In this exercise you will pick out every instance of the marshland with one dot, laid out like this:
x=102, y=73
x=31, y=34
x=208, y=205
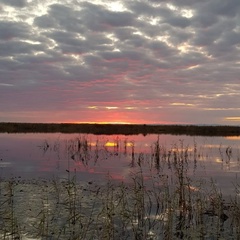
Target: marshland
x=57, y=185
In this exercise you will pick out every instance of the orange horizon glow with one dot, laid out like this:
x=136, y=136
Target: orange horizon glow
x=109, y=122
x=116, y=122
x=233, y=137
x=117, y=118
x=114, y=116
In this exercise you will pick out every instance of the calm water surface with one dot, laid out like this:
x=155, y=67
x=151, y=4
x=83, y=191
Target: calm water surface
x=95, y=158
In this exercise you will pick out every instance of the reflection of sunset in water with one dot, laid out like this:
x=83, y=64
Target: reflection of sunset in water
x=235, y=138
x=117, y=156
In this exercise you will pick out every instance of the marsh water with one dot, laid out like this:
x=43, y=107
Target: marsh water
x=98, y=157
x=78, y=186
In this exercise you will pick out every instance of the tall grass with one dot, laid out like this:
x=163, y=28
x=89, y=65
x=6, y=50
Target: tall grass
x=161, y=201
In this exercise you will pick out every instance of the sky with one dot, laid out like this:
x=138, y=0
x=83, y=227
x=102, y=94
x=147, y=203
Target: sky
x=129, y=61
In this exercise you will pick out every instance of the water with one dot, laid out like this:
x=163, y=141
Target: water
x=91, y=157
x=56, y=186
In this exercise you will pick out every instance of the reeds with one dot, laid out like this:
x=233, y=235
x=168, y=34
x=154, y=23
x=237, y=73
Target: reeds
x=160, y=201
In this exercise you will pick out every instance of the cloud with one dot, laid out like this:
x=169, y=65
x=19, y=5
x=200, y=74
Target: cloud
x=15, y=3
x=10, y=30
x=146, y=58
x=228, y=8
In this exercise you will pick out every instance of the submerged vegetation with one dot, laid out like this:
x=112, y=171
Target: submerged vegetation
x=127, y=129
x=161, y=200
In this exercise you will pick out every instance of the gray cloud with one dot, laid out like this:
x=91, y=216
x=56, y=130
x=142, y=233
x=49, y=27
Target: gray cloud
x=15, y=3
x=177, y=21
x=227, y=8
x=11, y=29
x=18, y=47
x=98, y=18
x=180, y=57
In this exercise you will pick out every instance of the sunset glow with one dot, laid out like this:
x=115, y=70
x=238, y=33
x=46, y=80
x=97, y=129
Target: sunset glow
x=103, y=122
x=150, y=62
x=233, y=119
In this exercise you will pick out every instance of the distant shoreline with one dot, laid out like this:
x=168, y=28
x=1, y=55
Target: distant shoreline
x=125, y=129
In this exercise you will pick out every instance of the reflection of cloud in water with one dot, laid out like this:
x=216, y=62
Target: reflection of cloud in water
x=5, y=164
x=96, y=157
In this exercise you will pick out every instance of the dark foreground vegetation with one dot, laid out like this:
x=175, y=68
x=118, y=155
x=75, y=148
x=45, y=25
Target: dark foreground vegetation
x=127, y=129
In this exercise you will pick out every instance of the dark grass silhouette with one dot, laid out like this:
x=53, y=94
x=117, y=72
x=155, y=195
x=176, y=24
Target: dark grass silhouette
x=126, y=129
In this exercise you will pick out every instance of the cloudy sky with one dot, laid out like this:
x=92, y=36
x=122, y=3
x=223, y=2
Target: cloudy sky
x=133, y=61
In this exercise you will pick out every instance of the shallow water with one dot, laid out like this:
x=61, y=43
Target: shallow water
x=91, y=157
x=51, y=182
